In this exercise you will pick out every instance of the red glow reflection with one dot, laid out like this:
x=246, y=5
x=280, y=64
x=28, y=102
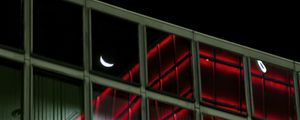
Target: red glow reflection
x=209, y=117
x=221, y=80
x=80, y=117
x=273, y=93
x=152, y=53
x=173, y=114
x=168, y=62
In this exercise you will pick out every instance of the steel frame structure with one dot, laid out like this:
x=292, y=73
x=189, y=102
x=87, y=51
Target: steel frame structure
x=144, y=21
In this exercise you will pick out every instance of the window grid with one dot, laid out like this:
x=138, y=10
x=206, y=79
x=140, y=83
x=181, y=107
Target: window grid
x=214, y=63
x=30, y=61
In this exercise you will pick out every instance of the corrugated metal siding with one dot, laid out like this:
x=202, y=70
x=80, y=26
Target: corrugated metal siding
x=10, y=93
x=56, y=100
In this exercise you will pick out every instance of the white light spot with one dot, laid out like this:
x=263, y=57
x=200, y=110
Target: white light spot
x=105, y=64
x=261, y=65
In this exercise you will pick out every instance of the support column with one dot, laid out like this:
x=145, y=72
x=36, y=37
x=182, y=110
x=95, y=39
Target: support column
x=248, y=86
x=143, y=70
x=86, y=62
x=28, y=81
x=196, y=76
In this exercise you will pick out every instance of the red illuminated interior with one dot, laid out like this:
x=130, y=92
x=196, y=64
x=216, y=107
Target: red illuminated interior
x=127, y=108
x=178, y=70
x=169, y=66
x=169, y=70
x=222, y=79
x=209, y=117
x=273, y=93
x=162, y=111
x=116, y=105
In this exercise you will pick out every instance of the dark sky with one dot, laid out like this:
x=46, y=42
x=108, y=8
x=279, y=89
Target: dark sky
x=268, y=26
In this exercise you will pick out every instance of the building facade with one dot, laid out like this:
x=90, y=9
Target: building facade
x=86, y=59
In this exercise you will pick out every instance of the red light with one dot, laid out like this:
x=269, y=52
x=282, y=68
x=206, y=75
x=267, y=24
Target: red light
x=220, y=81
x=80, y=117
x=169, y=68
x=269, y=93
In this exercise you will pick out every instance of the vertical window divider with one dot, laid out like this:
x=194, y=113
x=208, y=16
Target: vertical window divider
x=28, y=81
x=196, y=76
x=143, y=71
x=248, y=87
x=86, y=62
x=296, y=78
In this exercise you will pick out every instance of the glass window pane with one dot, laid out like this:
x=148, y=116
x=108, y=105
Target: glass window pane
x=58, y=31
x=11, y=75
x=112, y=104
x=273, y=92
x=210, y=117
x=11, y=34
x=57, y=97
x=169, y=63
x=115, y=47
x=163, y=111
x=222, y=79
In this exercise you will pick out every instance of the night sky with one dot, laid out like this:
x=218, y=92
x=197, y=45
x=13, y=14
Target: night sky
x=268, y=26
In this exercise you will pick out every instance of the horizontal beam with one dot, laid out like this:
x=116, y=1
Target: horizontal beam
x=57, y=68
x=213, y=112
x=78, y=2
x=115, y=84
x=139, y=18
x=12, y=55
x=170, y=100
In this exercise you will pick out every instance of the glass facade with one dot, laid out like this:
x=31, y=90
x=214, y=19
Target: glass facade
x=112, y=104
x=97, y=61
x=209, y=117
x=115, y=47
x=163, y=111
x=169, y=63
x=273, y=92
x=11, y=35
x=222, y=79
x=58, y=33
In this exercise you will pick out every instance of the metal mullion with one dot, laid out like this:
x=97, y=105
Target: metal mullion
x=66, y=71
x=247, y=84
x=86, y=61
x=296, y=78
x=78, y=2
x=104, y=81
x=248, y=62
x=196, y=77
x=218, y=113
x=143, y=69
x=11, y=55
x=170, y=100
x=28, y=81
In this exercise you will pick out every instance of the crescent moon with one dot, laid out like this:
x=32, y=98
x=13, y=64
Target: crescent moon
x=104, y=63
x=262, y=67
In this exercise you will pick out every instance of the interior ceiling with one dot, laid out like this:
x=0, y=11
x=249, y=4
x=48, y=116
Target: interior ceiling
x=271, y=26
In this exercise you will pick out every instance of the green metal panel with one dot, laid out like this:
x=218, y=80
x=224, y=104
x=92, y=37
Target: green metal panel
x=56, y=100
x=10, y=93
